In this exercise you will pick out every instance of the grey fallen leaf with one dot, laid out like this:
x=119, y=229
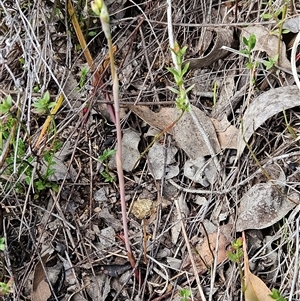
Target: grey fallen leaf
x=161, y=160
x=188, y=137
x=262, y=108
x=107, y=237
x=262, y=206
x=201, y=171
x=97, y=287
x=292, y=24
x=130, y=152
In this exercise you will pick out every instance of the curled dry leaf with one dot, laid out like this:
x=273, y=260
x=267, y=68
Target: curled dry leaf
x=255, y=288
x=184, y=132
x=267, y=42
x=262, y=108
x=262, y=206
x=223, y=37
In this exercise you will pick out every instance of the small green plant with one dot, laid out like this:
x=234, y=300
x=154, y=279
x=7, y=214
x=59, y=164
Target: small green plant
x=185, y=293
x=6, y=105
x=2, y=244
x=250, y=44
x=235, y=254
x=271, y=62
x=104, y=159
x=181, y=100
x=5, y=288
x=43, y=105
x=83, y=77
x=279, y=16
x=276, y=295
x=7, y=121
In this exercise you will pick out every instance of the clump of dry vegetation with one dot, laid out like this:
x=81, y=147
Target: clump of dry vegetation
x=209, y=108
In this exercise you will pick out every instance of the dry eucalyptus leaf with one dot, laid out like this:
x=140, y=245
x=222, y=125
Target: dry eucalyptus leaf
x=184, y=132
x=255, y=288
x=130, y=152
x=226, y=132
x=292, y=24
x=40, y=287
x=161, y=160
x=204, y=248
x=223, y=37
x=267, y=42
x=262, y=206
x=263, y=107
x=97, y=287
x=201, y=171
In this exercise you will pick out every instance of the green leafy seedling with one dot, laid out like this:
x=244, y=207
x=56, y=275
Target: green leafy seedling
x=83, y=77
x=6, y=105
x=250, y=44
x=184, y=293
x=235, y=254
x=6, y=288
x=178, y=74
x=108, y=177
x=271, y=62
x=2, y=244
x=43, y=105
x=276, y=295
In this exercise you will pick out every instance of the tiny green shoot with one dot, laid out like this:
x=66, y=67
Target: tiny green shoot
x=83, y=77
x=43, y=105
x=108, y=177
x=276, y=295
x=2, y=244
x=6, y=105
x=185, y=293
x=178, y=74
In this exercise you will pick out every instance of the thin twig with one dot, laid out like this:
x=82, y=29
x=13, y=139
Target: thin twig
x=189, y=249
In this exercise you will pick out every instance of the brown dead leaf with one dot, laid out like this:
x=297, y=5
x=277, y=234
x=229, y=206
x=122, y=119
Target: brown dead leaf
x=184, y=132
x=202, y=254
x=255, y=288
x=226, y=132
x=40, y=288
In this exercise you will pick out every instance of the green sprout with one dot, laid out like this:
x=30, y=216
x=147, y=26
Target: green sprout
x=178, y=74
x=6, y=105
x=184, y=293
x=104, y=159
x=2, y=244
x=235, y=254
x=276, y=295
x=43, y=105
x=83, y=77
x=250, y=44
